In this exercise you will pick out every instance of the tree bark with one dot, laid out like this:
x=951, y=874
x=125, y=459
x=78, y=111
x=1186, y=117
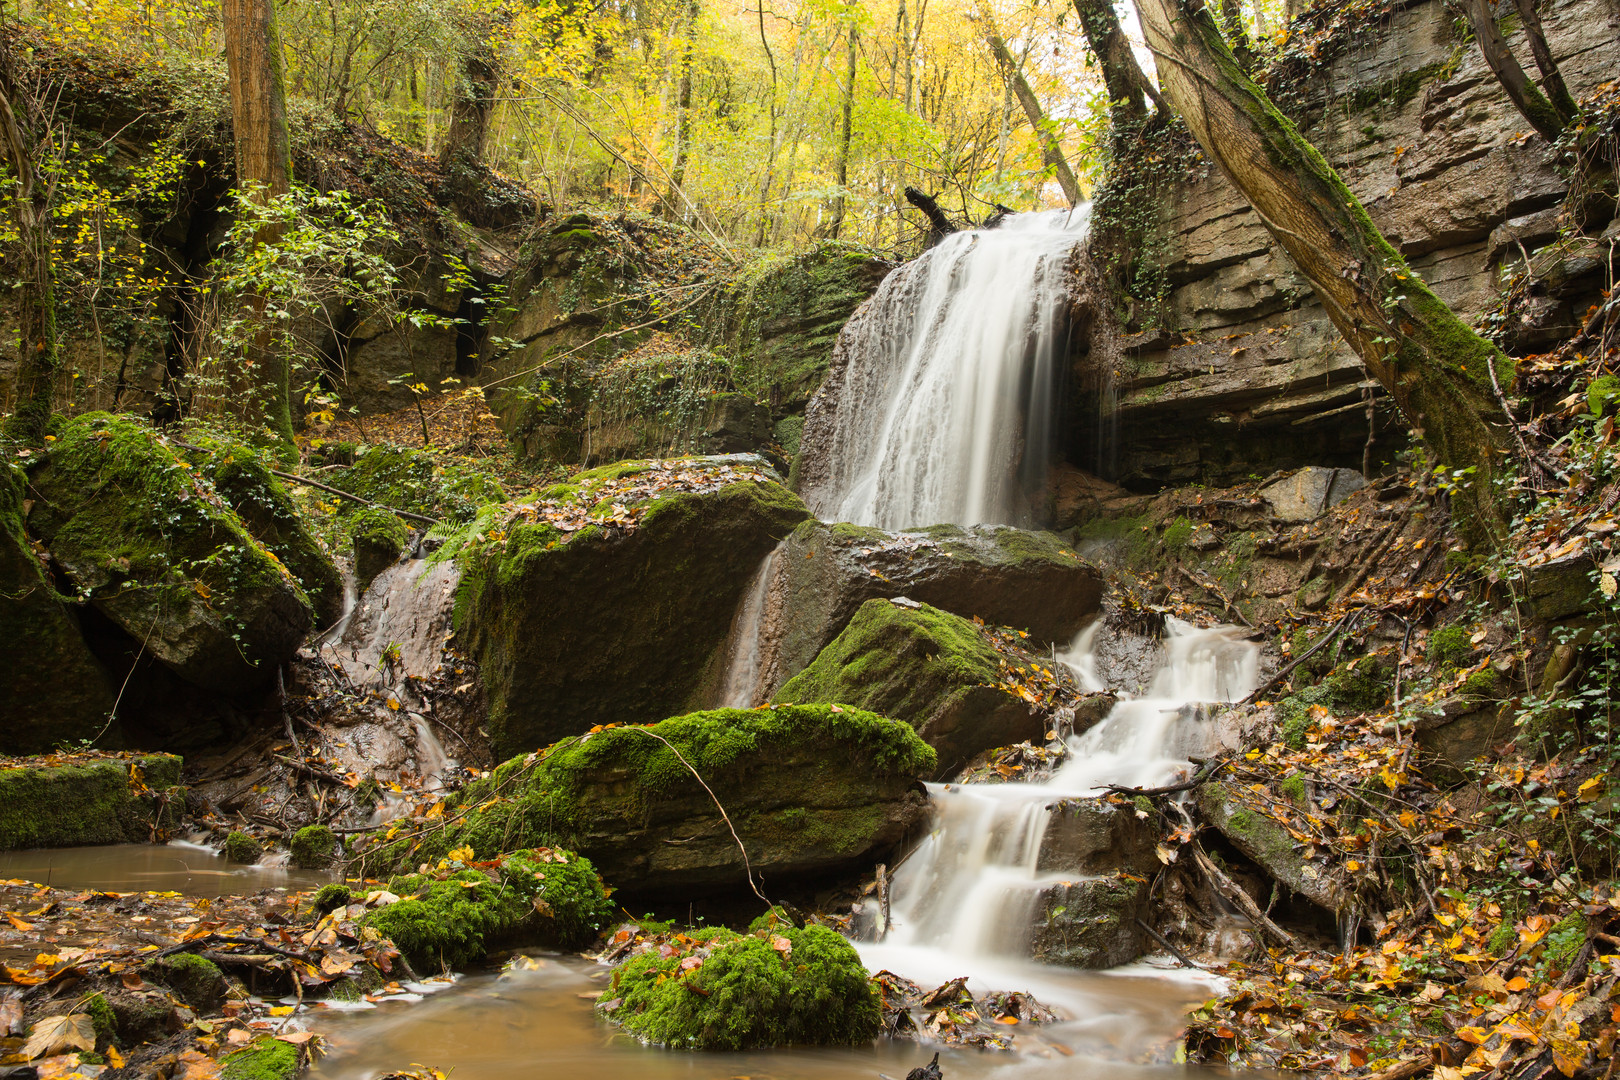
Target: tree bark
x=845, y=132
x=1529, y=100
x=262, y=394
x=1552, y=80
x=683, y=108
x=939, y=225
x=1122, y=75
x=1051, y=151
x=472, y=100
x=1437, y=370
x=40, y=357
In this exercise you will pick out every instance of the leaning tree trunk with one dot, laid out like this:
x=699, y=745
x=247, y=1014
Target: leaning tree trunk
x=1122, y=75
x=262, y=394
x=1526, y=97
x=1552, y=80
x=1435, y=367
x=36, y=289
x=1051, y=150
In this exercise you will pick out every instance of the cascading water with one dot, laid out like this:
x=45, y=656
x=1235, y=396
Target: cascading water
x=746, y=643
x=940, y=405
x=970, y=889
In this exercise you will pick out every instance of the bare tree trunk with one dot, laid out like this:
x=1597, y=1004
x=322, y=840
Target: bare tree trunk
x=1122, y=75
x=1051, y=151
x=683, y=108
x=40, y=358
x=1437, y=370
x=1529, y=100
x=845, y=132
x=472, y=100
x=262, y=395
x=1552, y=80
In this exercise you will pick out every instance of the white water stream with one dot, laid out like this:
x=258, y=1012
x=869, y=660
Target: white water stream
x=963, y=900
x=951, y=378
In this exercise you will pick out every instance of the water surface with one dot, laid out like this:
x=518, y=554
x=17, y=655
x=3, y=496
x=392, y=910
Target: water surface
x=191, y=869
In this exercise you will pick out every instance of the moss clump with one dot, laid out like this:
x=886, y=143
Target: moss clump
x=1295, y=726
x=262, y=1059
x=1481, y=685
x=1355, y=687
x=1128, y=541
x=771, y=988
x=1176, y=534
x=1501, y=938
x=1564, y=941
x=773, y=918
x=448, y=923
x=193, y=979
x=1293, y=788
x=419, y=481
x=379, y=539
x=329, y=898
x=242, y=848
x=1449, y=647
x=312, y=847
x=243, y=479
x=1602, y=394
x=566, y=892
x=102, y=1017
x=96, y=802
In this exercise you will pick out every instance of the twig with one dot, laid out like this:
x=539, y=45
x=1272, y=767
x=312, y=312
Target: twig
x=1199, y=778
x=1167, y=947
x=1234, y=892
x=1390, y=534
x=1306, y=655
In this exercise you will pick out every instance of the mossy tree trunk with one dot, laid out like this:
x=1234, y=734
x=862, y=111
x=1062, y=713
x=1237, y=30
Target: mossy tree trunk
x=1542, y=114
x=1051, y=151
x=1122, y=75
x=36, y=284
x=471, y=104
x=1552, y=80
x=262, y=394
x=1435, y=367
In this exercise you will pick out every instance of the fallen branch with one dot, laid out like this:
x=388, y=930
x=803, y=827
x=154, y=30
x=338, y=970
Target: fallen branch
x=1244, y=903
x=1403, y=1070
x=1201, y=777
x=1306, y=655
x=1169, y=948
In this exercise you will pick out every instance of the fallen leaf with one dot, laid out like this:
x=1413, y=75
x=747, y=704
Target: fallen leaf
x=54, y=1034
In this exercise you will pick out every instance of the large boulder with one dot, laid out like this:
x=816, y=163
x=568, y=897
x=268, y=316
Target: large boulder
x=154, y=548
x=809, y=790
x=938, y=672
x=56, y=691
x=1006, y=576
x=611, y=597
x=1094, y=836
x=1268, y=844
x=99, y=800
x=1091, y=923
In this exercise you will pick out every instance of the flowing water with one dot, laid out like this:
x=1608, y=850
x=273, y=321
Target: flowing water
x=943, y=411
x=192, y=869
x=747, y=639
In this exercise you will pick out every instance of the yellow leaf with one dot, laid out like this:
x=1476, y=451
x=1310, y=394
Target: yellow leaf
x=282, y=1010
x=393, y=703
x=461, y=854
x=1590, y=790
x=56, y=1034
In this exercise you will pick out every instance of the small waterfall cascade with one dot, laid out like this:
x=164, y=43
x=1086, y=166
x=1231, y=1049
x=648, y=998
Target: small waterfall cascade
x=971, y=887
x=940, y=406
x=746, y=643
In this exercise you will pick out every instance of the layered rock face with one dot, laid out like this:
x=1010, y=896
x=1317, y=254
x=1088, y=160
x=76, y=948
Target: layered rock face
x=1251, y=375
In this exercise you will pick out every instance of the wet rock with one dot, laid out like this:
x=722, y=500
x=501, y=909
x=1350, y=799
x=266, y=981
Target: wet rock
x=1562, y=588
x=726, y=423
x=313, y=846
x=576, y=621
x=98, y=800
x=193, y=979
x=1006, y=576
x=1307, y=494
x=936, y=671
x=56, y=690
x=1263, y=840
x=810, y=790
x=379, y=539
x=158, y=552
x=1090, y=923
x=1093, y=836
x=1458, y=730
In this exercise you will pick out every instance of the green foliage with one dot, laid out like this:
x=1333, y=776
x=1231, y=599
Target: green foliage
x=1602, y=393
x=419, y=481
x=748, y=992
x=312, y=846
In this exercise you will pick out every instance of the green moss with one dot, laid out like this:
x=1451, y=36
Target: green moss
x=193, y=979
x=1481, y=685
x=419, y=481
x=1397, y=91
x=774, y=918
x=378, y=538
x=1601, y=395
x=1127, y=541
x=1502, y=938
x=331, y=897
x=749, y=992
x=102, y=1017
x=1293, y=788
x=97, y=802
x=264, y=1058
x=1564, y=941
x=242, y=848
x=312, y=847
x=1176, y=534
x=1449, y=647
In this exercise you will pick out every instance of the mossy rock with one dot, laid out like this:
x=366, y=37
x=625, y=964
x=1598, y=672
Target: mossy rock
x=1091, y=923
x=260, y=500
x=1269, y=845
x=147, y=540
x=549, y=896
x=264, y=1058
x=1602, y=394
x=312, y=847
x=193, y=979
x=379, y=538
x=419, y=482
x=934, y=670
x=1009, y=577
x=811, y=790
x=329, y=898
x=775, y=987
x=56, y=690
x=95, y=801
x=242, y=848
x=596, y=627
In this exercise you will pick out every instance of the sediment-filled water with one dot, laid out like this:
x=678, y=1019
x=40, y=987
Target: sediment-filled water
x=192, y=869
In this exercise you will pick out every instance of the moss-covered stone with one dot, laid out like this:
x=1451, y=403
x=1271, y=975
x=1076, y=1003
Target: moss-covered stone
x=379, y=539
x=330, y=897
x=312, y=847
x=242, y=848
x=1269, y=845
x=1091, y=923
x=1449, y=647
x=193, y=979
x=103, y=1019
x=56, y=691
x=147, y=540
x=243, y=479
x=809, y=789
x=934, y=670
x=1602, y=393
x=94, y=801
x=264, y=1058
x=593, y=626
x=420, y=482
x=778, y=986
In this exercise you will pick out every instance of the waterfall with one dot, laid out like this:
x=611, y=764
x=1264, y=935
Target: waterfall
x=971, y=887
x=746, y=644
x=940, y=404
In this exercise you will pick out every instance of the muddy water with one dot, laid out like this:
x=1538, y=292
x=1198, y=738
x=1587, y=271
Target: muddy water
x=180, y=867
x=537, y=1024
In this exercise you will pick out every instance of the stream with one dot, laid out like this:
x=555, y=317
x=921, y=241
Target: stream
x=182, y=867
